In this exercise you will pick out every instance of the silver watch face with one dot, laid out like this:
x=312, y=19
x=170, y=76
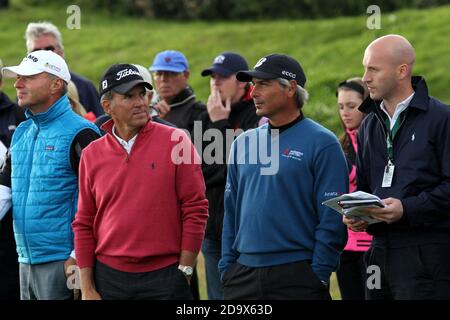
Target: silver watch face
x=187, y=270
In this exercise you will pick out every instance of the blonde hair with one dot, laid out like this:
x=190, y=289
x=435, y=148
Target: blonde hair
x=72, y=94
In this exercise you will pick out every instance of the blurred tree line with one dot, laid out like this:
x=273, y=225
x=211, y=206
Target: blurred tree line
x=242, y=9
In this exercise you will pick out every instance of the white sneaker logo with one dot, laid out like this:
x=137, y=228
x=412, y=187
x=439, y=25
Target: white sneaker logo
x=413, y=137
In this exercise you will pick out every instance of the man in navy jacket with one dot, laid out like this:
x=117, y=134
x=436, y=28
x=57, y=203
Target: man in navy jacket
x=404, y=158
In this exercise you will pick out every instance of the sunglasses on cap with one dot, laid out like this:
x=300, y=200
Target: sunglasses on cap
x=48, y=48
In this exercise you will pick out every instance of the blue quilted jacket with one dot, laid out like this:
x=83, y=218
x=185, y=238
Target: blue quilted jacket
x=43, y=183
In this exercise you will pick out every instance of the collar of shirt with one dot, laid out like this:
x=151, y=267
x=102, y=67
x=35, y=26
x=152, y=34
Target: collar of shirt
x=398, y=109
x=126, y=145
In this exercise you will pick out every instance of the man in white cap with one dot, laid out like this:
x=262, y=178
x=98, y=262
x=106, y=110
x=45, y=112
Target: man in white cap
x=40, y=178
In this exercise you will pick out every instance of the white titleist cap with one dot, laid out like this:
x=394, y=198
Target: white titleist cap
x=37, y=62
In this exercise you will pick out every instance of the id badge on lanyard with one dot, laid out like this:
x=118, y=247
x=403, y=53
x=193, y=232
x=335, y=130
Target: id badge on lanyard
x=388, y=175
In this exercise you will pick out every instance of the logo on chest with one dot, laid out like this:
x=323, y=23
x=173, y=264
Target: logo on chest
x=292, y=154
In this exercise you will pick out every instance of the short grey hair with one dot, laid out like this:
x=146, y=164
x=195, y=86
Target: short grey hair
x=108, y=95
x=302, y=95
x=37, y=29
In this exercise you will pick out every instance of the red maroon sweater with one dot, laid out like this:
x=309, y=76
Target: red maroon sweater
x=137, y=212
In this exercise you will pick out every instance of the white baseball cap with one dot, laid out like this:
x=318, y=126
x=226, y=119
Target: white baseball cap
x=145, y=74
x=37, y=62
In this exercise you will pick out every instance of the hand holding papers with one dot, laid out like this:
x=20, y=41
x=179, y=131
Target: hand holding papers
x=354, y=205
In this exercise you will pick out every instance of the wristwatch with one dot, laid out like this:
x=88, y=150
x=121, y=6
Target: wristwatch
x=187, y=270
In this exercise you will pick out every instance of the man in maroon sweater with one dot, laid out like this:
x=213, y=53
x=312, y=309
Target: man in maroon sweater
x=142, y=208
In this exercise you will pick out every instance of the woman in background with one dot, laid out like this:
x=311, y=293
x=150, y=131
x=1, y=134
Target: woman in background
x=351, y=273
x=77, y=107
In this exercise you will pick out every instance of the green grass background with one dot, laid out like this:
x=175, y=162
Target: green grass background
x=329, y=50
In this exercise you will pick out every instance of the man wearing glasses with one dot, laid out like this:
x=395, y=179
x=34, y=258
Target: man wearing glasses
x=46, y=36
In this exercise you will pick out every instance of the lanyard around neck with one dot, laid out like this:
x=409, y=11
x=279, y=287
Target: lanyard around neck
x=392, y=133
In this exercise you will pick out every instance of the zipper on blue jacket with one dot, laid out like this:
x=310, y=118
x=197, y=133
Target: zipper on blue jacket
x=28, y=192
x=36, y=135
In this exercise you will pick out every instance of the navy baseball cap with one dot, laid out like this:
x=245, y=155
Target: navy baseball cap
x=121, y=78
x=226, y=64
x=170, y=60
x=275, y=66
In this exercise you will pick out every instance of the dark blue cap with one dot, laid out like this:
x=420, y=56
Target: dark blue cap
x=275, y=66
x=226, y=64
